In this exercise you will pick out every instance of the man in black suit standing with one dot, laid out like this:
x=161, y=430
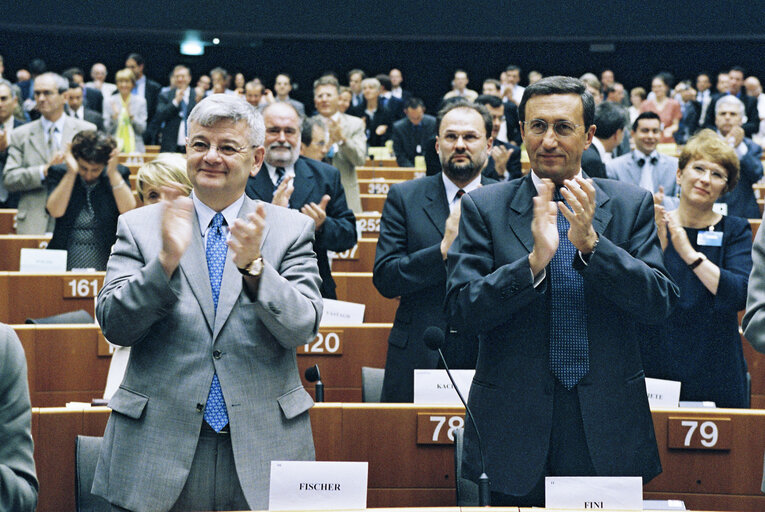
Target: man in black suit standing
x=610, y=119
x=173, y=108
x=396, y=79
x=557, y=294
x=290, y=180
x=412, y=133
x=145, y=87
x=735, y=84
x=419, y=223
x=76, y=108
x=391, y=103
x=92, y=99
x=504, y=161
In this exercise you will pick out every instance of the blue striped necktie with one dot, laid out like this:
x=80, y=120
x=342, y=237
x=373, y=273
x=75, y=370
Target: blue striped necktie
x=215, y=411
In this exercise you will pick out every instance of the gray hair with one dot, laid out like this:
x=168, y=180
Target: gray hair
x=62, y=84
x=371, y=81
x=228, y=107
x=732, y=101
x=9, y=85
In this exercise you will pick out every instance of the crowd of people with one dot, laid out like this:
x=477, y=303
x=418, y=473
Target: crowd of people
x=524, y=277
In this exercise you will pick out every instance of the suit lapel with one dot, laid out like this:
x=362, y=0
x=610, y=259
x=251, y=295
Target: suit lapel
x=261, y=185
x=522, y=206
x=37, y=137
x=194, y=267
x=435, y=204
x=602, y=216
x=304, y=184
x=634, y=170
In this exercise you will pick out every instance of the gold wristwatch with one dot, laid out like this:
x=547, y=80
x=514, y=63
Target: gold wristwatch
x=254, y=268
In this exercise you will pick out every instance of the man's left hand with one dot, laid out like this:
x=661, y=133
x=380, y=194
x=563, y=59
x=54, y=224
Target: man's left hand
x=246, y=236
x=580, y=196
x=318, y=212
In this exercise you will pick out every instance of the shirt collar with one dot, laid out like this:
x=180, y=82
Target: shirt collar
x=451, y=189
x=289, y=170
x=46, y=124
x=205, y=214
x=599, y=146
x=538, y=181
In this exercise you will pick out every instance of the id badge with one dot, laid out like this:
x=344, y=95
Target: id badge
x=710, y=238
x=418, y=149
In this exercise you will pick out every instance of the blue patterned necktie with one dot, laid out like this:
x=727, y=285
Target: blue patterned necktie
x=569, y=350
x=215, y=411
x=279, y=176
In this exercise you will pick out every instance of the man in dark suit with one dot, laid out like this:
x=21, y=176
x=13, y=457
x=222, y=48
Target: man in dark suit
x=556, y=295
x=419, y=223
x=396, y=79
x=304, y=184
x=76, y=108
x=740, y=201
x=610, y=119
x=734, y=83
x=91, y=98
x=410, y=135
x=145, y=87
x=8, y=103
x=391, y=103
x=691, y=112
x=504, y=161
x=173, y=107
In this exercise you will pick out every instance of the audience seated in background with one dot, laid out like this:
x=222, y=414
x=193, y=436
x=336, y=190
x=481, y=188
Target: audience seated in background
x=708, y=255
x=86, y=194
x=166, y=170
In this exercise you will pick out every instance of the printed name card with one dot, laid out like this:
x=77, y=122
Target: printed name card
x=43, y=261
x=309, y=485
x=662, y=394
x=434, y=386
x=338, y=312
x=594, y=492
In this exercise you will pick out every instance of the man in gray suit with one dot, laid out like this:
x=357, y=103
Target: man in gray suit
x=646, y=167
x=34, y=148
x=211, y=394
x=346, y=138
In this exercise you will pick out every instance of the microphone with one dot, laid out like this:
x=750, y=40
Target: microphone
x=312, y=375
x=434, y=340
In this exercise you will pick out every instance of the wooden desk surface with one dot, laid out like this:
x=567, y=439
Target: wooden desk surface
x=403, y=473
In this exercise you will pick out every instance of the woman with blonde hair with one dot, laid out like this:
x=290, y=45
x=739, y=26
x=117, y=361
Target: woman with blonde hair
x=166, y=170
x=709, y=257
x=126, y=114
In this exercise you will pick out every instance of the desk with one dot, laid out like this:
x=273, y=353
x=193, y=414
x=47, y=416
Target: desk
x=7, y=221
x=358, y=287
x=11, y=245
x=403, y=473
x=359, y=258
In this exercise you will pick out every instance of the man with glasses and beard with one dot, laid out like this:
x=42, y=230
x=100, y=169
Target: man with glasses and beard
x=293, y=181
x=419, y=223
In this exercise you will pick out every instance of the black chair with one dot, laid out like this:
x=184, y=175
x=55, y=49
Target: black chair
x=87, y=449
x=71, y=317
x=371, y=383
x=467, y=490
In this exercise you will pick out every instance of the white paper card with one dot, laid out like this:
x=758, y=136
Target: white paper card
x=304, y=485
x=434, y=386
x=594, y=492
x=662, y=394
x=663, y=505
x=338, y=312
x=43, y=261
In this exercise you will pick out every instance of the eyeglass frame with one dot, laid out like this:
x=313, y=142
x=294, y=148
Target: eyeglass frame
x=555, y=126
x=705, y=171
x=218, y=148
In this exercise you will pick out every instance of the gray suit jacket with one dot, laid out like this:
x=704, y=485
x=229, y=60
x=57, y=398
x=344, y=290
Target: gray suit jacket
x=27, y=156
x=178, y=342
x=625, y=168
x=18, y=483
x=137, y=107
x=351, y=153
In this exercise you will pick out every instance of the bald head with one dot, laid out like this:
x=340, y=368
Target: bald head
x=752, y=86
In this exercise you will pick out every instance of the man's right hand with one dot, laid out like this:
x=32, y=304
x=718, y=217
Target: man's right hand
x=176, y=228
x=451, y=230
x=501, y=155
x=544, y=228
x=283, y=193
x=179, y=96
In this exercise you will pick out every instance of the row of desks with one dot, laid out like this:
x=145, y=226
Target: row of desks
x=410, y=465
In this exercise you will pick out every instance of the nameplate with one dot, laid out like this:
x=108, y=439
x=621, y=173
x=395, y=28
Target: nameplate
x=338, y=312
x=662, y=394
x=42, y=261
x=594, y=492
x=438, y=428
x=80, y=288
x=699, y=433
x=351, y=254
x=434, y=386
x=663, y=505
x=326, y=343
x=380, y=188
x=304, y=485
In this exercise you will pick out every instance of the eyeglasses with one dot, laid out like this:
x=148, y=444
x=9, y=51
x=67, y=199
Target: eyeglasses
x=561, y=128
x=275, y=130
x=716, y=177
x=468, y=137
x=47, y=94
x=199, y=146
